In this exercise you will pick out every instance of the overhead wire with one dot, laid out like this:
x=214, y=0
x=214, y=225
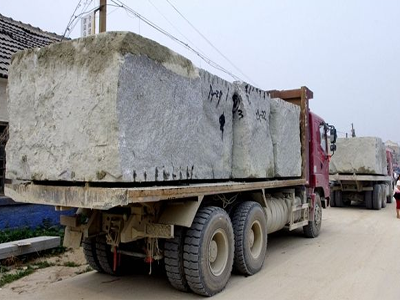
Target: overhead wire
x=166, y=33
x=173, y=26
x=209, y=42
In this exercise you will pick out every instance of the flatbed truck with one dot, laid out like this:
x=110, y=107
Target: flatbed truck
x=200, y=230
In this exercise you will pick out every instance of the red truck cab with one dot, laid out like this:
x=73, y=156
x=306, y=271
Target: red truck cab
x=319, y=156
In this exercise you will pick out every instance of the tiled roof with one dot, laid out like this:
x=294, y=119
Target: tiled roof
x=16, y=36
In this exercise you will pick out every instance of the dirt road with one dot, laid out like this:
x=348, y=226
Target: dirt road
x=355, y=257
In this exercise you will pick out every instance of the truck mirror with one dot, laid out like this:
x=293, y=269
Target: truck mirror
x=333, y=147
x=333, y=135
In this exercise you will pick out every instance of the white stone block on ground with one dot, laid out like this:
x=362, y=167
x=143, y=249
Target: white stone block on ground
x=252, y=145
x=359, y=155
x=285, y=132
x=116, y=107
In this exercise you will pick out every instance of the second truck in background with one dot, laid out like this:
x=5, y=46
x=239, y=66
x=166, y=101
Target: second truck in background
x=361, y=172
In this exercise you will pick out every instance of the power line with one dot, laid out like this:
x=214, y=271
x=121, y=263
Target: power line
x=166, y=33
x=173, y=26
x=208, y=41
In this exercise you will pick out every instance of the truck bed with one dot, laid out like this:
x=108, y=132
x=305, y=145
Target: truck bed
x=100, y=197
x=358, y=177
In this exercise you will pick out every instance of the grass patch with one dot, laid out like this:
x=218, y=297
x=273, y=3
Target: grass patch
x=42, y=264
x=71, y=264
x=46, y=228
x=8, y=278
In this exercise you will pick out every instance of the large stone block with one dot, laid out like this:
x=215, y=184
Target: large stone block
x=119, y=108
x=285, y=132
x=359, y=155
x=252, y=145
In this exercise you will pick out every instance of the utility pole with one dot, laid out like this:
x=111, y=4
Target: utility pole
x=103, y=16
x=353, y=131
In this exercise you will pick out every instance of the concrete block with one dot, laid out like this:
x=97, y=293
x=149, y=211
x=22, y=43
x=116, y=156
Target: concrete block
x=285, y=132
x=252, y=145
x=359, y=155
x=30, y=245
x=116, y=107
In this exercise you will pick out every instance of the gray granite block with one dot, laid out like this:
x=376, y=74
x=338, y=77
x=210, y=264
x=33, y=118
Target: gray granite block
x=252, y=144
x=359, y=155
x=118, y=108
x=285, y=132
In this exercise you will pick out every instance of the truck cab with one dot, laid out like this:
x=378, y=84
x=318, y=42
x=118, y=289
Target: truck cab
x=319, y=155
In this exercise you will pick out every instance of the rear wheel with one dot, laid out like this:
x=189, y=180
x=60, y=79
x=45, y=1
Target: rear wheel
x=368, y=199
x=173, y=259
x=390, y=196
x=314, y=226
x=383, y=197
x=250, y=229
x=377, y=197
x=208, y=251
x=89, y=250
x=332, y=202
x=339, y=199
x=105, y=256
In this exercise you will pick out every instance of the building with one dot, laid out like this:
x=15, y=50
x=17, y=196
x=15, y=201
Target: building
x=15, y=36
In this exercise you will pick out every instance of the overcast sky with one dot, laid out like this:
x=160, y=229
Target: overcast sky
x=346, y=52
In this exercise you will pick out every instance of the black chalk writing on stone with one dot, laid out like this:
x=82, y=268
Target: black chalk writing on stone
x=214, y=93
x=261, y=115
x=222, y=124
x=236, y=104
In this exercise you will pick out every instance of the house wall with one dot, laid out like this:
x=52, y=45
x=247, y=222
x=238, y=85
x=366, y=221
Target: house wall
x=3, y=100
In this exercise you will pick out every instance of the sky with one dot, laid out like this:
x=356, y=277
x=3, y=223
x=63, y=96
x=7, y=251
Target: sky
x=346, y=52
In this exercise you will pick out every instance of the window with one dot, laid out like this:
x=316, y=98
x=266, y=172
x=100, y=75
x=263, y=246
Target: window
x=322, y=137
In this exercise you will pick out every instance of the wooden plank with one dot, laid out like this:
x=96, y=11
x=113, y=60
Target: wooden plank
x=27, y=246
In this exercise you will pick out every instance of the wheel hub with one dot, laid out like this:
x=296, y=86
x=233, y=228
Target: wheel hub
x=218, y=252
x=251, y=238
x=213, y=251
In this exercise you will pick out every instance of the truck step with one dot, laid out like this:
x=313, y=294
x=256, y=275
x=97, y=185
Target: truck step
x=298, y=225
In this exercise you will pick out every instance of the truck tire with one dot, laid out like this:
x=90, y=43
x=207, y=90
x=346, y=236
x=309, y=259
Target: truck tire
x=89, y=250
x=390, y=196
x=368, y=199
x=173, y=260
x=332, y=202
x=250, y=229
x=383, y=197
x=313, y=228
x=339, y=199
x=208, y=251
x=105, y=256
x=377, y=197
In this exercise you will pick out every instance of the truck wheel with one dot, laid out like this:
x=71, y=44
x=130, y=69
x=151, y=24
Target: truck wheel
x=313, y=228
x=339, y=199
x=368, y=199
x=390, y=196
x=208, y=251
x=250, y=229
x=383, y=197
x=105, y=256
x=377, y=197
x=332, y=202
x=89, y=250
x=173, y=260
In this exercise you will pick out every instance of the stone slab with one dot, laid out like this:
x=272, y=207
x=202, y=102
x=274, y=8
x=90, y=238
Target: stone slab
x=359, y=155
x=252, y=145
x=30, y=245
x=116, y=108
x=285, y=133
